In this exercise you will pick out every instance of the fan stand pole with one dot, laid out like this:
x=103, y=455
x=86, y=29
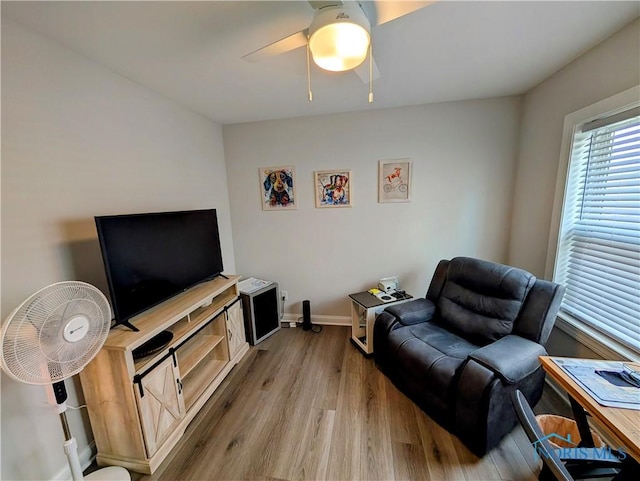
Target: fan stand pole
x=110, y=473
x=70, y=445
x=71, y=449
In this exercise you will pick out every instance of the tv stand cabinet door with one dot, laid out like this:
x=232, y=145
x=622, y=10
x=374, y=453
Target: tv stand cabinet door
x=235, y=329
x=161, y=404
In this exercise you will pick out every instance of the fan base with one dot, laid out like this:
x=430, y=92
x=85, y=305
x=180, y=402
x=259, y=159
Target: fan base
x=112, y=473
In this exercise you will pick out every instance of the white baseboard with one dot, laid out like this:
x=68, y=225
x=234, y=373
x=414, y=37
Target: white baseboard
x=318, y=319
x=87, y=455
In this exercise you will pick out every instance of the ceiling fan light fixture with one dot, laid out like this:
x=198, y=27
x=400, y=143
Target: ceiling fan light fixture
x=339, y=38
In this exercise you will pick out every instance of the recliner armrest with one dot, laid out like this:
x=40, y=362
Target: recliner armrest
x=512, y=358
x=412, y=312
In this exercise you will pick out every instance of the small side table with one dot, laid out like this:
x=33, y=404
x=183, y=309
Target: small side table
x=364, y=309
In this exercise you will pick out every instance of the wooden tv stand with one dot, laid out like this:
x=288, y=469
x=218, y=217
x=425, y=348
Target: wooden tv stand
x=140, y=408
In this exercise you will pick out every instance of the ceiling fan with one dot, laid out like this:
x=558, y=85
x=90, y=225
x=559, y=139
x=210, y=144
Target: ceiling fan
x=339, y=37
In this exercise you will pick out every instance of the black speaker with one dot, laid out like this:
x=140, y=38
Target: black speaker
x=306, y=315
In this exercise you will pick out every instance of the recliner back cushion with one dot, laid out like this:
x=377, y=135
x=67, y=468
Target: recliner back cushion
x=481, y=300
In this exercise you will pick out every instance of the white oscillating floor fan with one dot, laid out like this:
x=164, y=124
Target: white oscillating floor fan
x=52, y=336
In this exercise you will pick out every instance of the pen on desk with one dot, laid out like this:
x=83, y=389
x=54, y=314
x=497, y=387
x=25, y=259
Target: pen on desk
x=631, y=375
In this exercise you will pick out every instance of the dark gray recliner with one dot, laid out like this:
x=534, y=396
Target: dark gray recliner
x=460, y=352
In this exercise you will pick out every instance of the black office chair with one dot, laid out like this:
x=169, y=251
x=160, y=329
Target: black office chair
x=560, y=468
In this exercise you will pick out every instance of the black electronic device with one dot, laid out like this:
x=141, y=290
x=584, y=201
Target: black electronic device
x=149, y=258
x=306, y=315
x=261, y=312
x=153, y=345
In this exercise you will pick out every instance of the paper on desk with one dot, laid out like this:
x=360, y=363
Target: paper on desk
x=583, y=371
x=252, y=284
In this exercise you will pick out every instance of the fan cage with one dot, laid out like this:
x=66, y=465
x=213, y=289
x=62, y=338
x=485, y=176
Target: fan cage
x=34, y=347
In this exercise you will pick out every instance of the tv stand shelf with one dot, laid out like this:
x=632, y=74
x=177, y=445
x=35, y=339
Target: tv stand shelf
x=140, y=408
x=198, y=350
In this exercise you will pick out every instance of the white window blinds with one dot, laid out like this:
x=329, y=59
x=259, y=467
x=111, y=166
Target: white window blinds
x=599, y=246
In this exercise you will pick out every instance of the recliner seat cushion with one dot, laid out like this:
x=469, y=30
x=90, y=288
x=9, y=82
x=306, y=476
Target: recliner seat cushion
x=481, y=300
x=428, y=358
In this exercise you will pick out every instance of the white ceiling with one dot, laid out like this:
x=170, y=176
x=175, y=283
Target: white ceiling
x=450, y=50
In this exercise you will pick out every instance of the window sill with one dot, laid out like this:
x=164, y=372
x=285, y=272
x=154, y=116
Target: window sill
x=593, y=339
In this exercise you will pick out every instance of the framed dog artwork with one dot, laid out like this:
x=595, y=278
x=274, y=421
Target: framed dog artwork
x=333, y=188
x=394, y=180
x=278, y=188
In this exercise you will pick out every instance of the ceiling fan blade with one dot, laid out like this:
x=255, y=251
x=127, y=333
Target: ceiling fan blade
x=362, y=71
x=297, y=40
x=324, y=3
x=387, y=11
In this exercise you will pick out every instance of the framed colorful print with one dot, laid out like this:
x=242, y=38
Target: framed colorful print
x=333, y=188
x=278, y=188
x=394, y=180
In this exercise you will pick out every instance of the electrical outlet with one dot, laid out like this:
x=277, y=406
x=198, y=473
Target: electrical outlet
x=284, y=295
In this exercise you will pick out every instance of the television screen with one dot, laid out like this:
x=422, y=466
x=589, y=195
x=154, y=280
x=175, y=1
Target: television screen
x=151, y=257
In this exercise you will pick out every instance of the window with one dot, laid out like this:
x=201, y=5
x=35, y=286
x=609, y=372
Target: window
x=598, y=252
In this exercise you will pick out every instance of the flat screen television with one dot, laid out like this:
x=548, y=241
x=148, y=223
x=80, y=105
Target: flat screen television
x=149, y=258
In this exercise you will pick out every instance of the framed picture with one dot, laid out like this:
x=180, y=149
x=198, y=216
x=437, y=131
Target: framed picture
x=394, y=180
x=333, y=188
x=278, y=188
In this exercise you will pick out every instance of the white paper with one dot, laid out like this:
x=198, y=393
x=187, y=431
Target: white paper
x=252, y=284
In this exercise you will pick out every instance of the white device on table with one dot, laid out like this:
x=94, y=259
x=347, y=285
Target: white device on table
x=388, y=284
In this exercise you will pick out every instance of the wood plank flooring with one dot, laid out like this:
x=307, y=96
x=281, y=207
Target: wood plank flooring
x=306, y=406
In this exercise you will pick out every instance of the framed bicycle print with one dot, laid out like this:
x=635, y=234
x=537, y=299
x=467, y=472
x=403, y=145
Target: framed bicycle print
x=394, y=180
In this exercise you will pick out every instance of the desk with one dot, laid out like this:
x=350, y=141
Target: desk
x=622, y=425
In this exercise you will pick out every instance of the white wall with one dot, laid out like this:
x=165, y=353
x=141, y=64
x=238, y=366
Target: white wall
x=611, y=67
x=79, y=141
x=463, y=167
